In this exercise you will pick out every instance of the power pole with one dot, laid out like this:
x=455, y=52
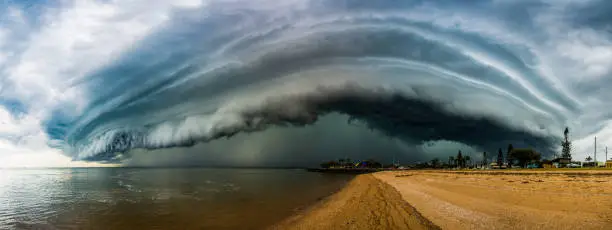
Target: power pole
x=606, y=154
x=595, y=151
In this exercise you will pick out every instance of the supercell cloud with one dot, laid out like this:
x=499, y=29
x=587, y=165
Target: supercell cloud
x=95, y=80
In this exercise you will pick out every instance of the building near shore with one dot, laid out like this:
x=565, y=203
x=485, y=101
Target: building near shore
x=609, y=164
x=561, y=162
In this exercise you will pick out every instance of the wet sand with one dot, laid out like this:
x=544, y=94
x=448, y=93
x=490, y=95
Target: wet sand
x=365, y=203
x=465, y=200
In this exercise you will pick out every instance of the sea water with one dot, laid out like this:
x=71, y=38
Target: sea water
x=157, y=198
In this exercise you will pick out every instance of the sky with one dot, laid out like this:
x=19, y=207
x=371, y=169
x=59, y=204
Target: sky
x=262, y=82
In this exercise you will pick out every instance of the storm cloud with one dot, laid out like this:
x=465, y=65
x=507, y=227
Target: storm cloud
x=188, y=75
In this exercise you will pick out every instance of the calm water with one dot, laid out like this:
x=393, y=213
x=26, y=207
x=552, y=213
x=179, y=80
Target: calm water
x=131, y=198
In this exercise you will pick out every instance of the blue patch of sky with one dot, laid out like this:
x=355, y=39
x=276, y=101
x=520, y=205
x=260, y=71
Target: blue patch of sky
x=15, y=107
x=32, y=10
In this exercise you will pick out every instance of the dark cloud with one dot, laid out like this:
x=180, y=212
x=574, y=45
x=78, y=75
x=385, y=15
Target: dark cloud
x=419, y=120
x=330, y=138
x=419, y=76
x=412, y=119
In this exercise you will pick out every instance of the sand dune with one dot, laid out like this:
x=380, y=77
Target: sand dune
x=465, y=200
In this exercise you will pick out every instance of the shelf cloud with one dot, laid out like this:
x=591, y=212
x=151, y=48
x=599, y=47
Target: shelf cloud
x=96, y=80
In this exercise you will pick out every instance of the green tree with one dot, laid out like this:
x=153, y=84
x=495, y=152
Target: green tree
x=484, y=158
x=566, y=145
x=508, y=155
x=460, y=159
x=329, y=164
x=588, y=159
x=468, y=160
x=348, y=162
x=435, y=162
x=524, y=156
x=451, y=161
x=371, y=163
x=500, y=157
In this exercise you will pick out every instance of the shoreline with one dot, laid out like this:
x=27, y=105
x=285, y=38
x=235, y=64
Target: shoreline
x=365, y=202
x=436, y=199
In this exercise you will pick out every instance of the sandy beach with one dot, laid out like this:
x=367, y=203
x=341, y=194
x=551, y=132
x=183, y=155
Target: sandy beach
x=365, y=203
x=465, y=200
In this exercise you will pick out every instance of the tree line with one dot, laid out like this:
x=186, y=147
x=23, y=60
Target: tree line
x=513, y=156
x=348, y=163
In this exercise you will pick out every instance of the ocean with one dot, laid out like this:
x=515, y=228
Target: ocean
x=157, y=198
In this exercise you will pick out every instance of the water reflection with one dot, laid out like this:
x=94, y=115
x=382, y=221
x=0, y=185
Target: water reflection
x=129, y=198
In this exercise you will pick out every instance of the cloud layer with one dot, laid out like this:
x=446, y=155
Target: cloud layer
x=96, y=79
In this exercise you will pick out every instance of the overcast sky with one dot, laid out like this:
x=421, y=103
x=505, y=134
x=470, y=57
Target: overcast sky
x=294, y=82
